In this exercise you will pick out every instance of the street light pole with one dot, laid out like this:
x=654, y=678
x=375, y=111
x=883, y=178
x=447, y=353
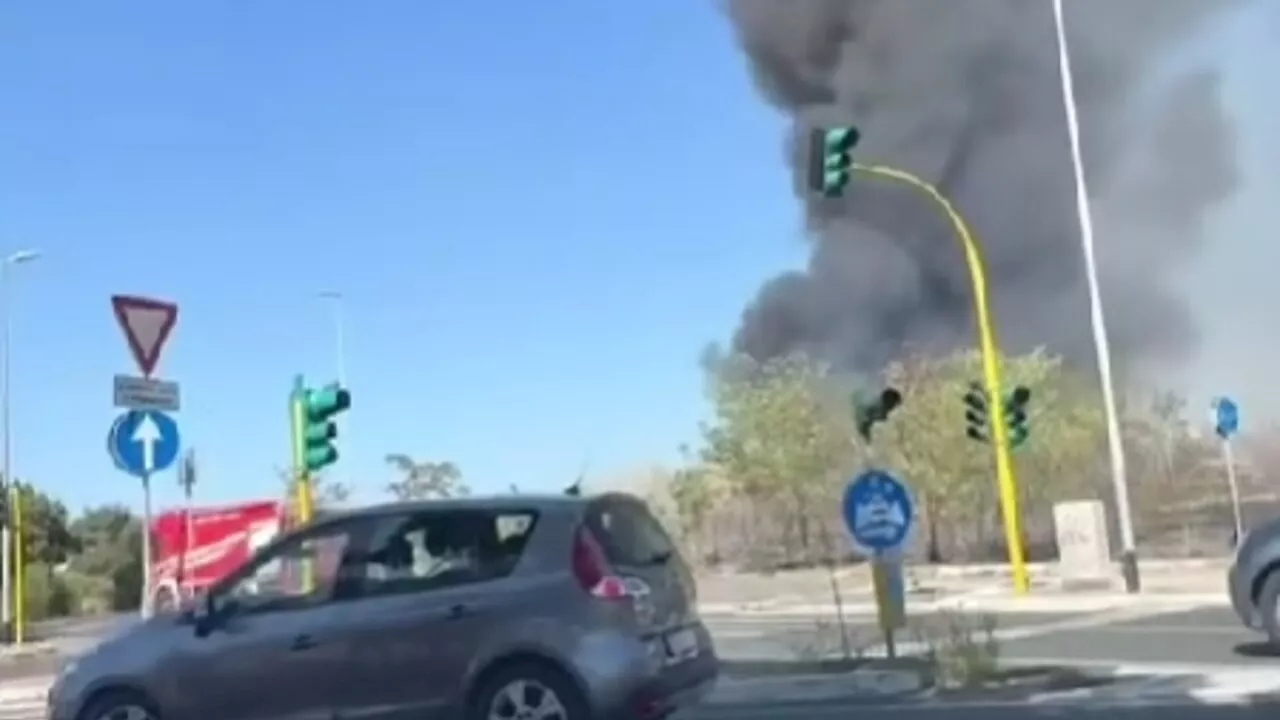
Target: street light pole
x=337, y=306
x=339, y=333
x=8, y=487
x=1115, y=441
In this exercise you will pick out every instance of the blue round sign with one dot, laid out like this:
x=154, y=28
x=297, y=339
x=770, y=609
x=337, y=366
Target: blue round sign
x=1226, y=417
x=144, y=442
x=878, y=511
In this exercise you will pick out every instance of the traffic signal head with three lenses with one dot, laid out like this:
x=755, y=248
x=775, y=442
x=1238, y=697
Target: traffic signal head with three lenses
x=831, y=158
x=1015, y=415
x=976, y=413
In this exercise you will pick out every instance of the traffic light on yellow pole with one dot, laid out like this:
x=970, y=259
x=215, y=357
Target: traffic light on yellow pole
x=1015, y=415
x=831, y=158
x=313, y=433
x=829, y=166
x=977, y=415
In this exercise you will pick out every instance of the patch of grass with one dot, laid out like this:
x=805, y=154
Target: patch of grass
x=962, y=651
x=830, y=639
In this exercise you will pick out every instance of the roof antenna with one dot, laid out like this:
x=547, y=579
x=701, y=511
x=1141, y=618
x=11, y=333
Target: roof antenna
x=575, y=490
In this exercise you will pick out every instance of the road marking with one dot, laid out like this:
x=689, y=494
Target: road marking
x=24, y=699
x=1181, y=630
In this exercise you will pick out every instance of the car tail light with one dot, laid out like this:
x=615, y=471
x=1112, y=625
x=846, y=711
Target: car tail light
x=592, y=570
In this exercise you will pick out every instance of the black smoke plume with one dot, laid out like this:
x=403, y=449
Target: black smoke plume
x=967, y=94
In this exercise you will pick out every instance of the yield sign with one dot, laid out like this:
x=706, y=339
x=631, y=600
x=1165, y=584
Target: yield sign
x=146, y=324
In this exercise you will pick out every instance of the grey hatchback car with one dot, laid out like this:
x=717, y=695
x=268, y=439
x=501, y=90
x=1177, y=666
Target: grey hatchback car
x=518, y=607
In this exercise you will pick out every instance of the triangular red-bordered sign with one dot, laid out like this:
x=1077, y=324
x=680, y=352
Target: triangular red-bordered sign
x=146, y=324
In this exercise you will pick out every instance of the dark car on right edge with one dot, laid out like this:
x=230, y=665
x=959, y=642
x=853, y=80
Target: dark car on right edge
x=1254, y=580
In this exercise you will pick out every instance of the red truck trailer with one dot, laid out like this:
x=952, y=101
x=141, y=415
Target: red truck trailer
x=193, y=548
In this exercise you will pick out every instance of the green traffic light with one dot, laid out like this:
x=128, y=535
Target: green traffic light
x=329, y=400
x=830, y=160
x=317, y=433
x=840, y=140
x=313, y=425
x=834, y=181
x=1015, y=410
x=1018, y=436
x=320, y=457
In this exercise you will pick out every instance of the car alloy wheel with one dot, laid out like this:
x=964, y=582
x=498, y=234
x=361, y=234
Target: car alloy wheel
x=126, y=712
x=524, y=699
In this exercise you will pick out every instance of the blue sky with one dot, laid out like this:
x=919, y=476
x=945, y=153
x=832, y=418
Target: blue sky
x=537, y=220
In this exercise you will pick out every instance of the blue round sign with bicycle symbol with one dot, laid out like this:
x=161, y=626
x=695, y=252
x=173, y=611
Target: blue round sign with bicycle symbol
x=878, y=511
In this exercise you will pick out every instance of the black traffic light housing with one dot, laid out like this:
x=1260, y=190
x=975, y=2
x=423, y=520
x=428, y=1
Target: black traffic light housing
x=977, y=413
x=830, y=158
x=1015, y=415
x=867, y=414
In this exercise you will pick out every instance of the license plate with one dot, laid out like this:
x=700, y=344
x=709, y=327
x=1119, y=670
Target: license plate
x=682, y=643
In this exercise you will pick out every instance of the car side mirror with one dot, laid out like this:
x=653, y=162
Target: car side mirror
x=204, y=616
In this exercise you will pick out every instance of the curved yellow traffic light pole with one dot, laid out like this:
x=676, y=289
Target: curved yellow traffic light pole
x=990, y=366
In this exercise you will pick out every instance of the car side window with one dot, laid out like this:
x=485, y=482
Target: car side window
x=419, y=552
x=629, y=532
x=300, y=571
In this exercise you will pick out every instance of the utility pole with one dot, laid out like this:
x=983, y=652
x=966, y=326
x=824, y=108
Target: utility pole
x=186, y=481
x=7, y=485
x=337, y=305
x=1101, y=342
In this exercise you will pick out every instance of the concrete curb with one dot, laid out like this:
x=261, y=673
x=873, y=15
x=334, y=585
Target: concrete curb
x=865, y=683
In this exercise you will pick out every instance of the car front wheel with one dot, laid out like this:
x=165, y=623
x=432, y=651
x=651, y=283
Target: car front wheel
x=1269, y=607
x=120, y=705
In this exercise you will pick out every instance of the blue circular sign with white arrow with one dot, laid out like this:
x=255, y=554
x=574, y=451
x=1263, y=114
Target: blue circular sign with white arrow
x=1226, y=417
x=143, y=442
x=878, y=511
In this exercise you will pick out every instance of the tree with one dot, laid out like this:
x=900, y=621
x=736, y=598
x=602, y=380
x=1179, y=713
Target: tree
x=46, y=536
x=326, y=493
x=110, y=538
x=780, y=441
x=953, y=477
x=423, y=480
x=781, y=447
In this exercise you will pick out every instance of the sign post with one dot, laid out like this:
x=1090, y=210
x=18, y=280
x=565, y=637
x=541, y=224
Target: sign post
x=1225, y=416
x=878, y=511
x=144, y=440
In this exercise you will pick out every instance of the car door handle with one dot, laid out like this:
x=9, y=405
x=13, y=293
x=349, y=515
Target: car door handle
x=457, y=612
x=303, y=642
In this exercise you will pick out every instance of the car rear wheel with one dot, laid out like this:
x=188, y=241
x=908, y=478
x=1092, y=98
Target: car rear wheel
x=1269, y=607
x=529, y=691
x=120, y=705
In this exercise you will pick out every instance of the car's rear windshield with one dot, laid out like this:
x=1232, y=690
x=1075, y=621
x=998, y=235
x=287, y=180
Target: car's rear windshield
x=628, y=532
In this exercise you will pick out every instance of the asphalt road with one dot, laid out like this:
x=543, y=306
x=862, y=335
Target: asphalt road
x=1207, y=636
x=984, y=711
